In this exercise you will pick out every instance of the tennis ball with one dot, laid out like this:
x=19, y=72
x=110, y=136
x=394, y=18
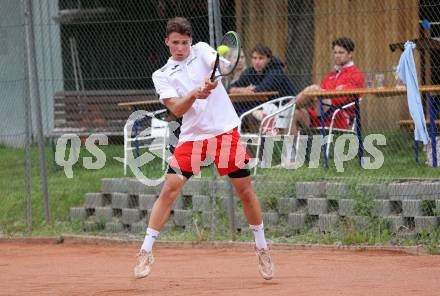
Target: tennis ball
x=223, y=50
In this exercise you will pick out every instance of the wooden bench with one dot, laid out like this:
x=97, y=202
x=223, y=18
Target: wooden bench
x=408, y=124
x=87, y=112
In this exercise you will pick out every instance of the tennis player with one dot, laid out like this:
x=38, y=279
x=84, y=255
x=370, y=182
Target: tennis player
x=209, y=128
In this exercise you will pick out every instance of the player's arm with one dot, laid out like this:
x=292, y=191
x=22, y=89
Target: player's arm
x=179, y=106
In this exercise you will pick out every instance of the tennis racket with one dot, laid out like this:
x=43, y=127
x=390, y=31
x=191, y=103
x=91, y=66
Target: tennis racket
x=228, y=55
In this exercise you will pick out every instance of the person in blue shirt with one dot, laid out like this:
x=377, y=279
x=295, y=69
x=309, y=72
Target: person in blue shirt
x=266, y=74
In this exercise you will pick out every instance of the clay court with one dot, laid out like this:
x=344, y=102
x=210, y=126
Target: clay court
x=72, y=269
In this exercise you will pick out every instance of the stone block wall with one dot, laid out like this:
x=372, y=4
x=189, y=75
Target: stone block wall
x=125, y=205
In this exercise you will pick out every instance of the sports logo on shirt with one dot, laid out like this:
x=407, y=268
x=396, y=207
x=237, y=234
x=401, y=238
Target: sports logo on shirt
x=176, y=69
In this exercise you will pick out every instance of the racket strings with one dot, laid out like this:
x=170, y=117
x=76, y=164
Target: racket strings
x=230, y=60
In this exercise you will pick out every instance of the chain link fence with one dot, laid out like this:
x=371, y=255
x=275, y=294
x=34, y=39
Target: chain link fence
x=95, y=60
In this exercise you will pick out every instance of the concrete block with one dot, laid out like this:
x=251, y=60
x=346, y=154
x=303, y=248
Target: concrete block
x=431, y=190
x=412, y=208
x=104, y=213
x=130, y=216
x=93, y=200
x=297, y=221
x=270, y=218
x=182, y=217
x=109, y=185
x=328, y=222
x=376, y=191
x=414, y=190
x=178, y=203
x=137, y=187
x=114, y=226
x=286, y=205
x=91, y=225
x=402, y=191
x=241, y=221
x=346, y=207
x=221, y=188
x=317, y=206
x=395, y=222
x=138, y=227
x=382, y=208
x=146, y=201
x=196, y=186
x=201, y=203
x=310, y=189
x=337, y=190
x=120, y=200
x=78, y=214
x=428, y=224
x=224, y=203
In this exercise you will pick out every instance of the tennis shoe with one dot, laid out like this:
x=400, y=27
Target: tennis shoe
x=143, y=265
x=265, y=264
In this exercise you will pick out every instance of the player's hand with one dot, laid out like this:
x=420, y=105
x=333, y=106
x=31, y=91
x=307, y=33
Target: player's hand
x=200, y=93
x=209, y=84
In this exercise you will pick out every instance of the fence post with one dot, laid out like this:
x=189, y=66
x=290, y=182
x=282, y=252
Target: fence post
x=34, y=92
x=28, y=143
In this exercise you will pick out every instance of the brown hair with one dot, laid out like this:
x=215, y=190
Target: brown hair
x=263, y=50
x=179, y=25
x=344, y=42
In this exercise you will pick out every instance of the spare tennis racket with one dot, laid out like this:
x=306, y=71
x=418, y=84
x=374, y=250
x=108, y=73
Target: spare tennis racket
x=228, y=55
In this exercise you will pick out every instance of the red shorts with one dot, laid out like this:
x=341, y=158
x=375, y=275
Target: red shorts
x=225, y=149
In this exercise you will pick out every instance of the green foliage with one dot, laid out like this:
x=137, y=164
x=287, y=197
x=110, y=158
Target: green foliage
x=271, y=202
x=430, y=240
x=428, y=207
x=363, y=201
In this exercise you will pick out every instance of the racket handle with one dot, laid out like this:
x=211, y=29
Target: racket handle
x=217, y=60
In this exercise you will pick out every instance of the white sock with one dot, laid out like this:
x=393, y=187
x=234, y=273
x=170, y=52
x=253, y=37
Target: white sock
x=260, y=240
x=149, y=239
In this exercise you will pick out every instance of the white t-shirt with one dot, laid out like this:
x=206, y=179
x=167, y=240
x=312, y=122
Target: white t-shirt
x=205, y=118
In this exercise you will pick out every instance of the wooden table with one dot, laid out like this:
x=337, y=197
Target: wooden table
x=135, y=104
x=379, y=92
x=235, y=98
x=252, y=97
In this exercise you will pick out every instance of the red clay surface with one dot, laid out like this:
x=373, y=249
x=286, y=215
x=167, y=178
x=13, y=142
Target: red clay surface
x=48, y=269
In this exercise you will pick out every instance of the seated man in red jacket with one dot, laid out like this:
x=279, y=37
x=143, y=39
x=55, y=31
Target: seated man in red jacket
x=345, y=76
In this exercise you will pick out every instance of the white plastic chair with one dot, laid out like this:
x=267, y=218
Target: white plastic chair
x=154, y=137
x=281, y=116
